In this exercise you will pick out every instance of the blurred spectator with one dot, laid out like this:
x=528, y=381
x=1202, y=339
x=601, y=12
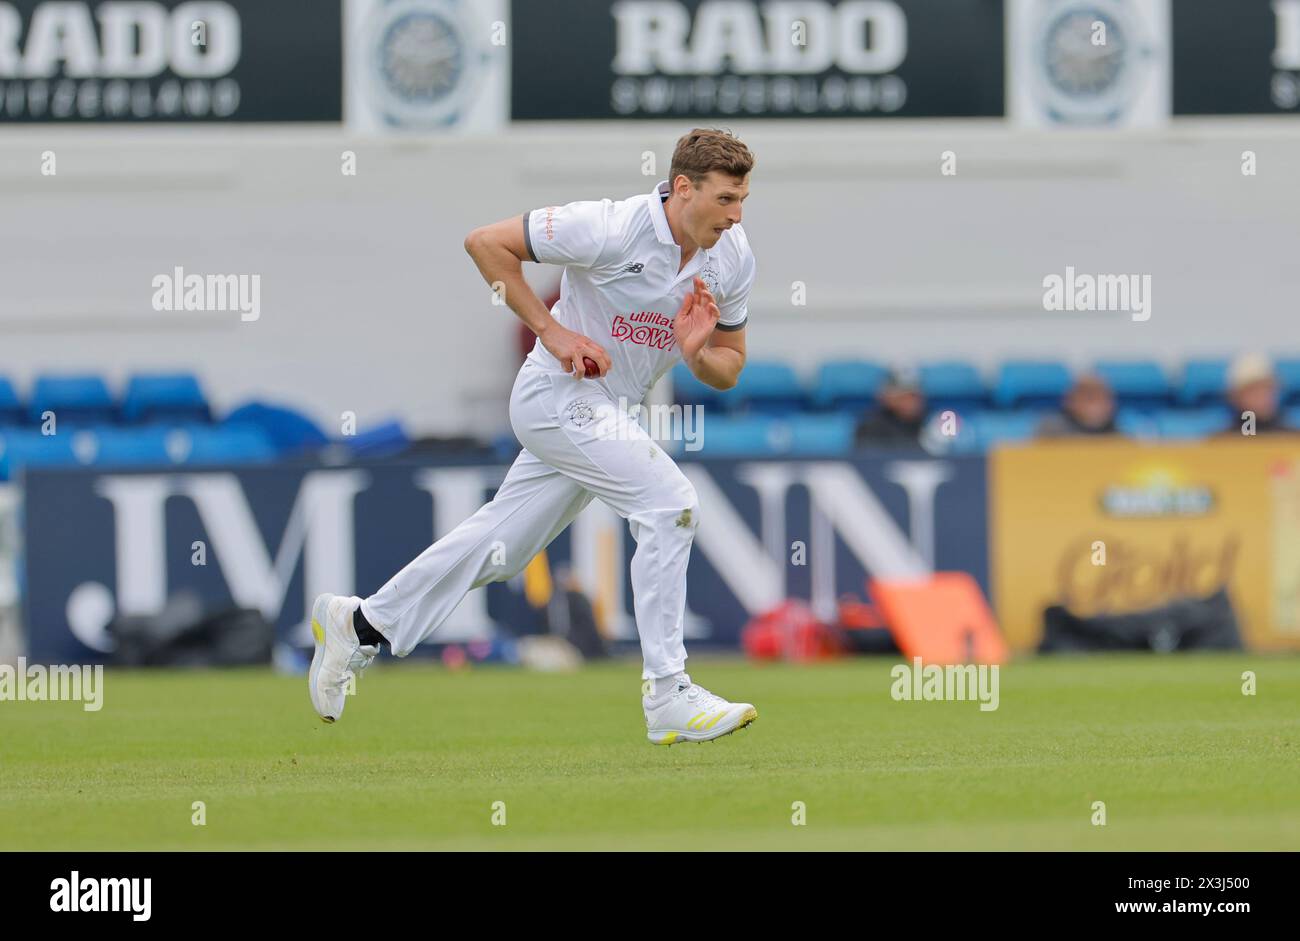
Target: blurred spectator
x=900, y=417
x=1088, y=409
x=1252, y=387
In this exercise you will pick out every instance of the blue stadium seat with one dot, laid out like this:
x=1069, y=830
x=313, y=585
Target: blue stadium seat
x=23, y=448
x=849, y=384
x=133, y=447
x=224, y=444
x=1136, y=423
x=1139, y=383
x=822, y=434
x=505, y=447
x=287, y=430
x=964, y=441
x=1291, y=417
x=1191, y=424
x=76, y=399
x=164, y=397
x=1288, y=380
x=383, y=440
x=952, y=385
x=1029, y=384
x=768, y=387
x=1204, y=381
x=994, y=428
x=742, y=436
x=11, y=409
x=687, y=390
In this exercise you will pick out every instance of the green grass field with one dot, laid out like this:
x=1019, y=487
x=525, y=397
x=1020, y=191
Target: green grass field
x=1180, y=757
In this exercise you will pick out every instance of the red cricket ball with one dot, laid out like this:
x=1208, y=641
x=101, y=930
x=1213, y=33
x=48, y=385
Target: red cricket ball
x=590, y=365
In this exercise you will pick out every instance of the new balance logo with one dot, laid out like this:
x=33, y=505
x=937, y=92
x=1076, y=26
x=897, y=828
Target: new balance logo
x=635, y=267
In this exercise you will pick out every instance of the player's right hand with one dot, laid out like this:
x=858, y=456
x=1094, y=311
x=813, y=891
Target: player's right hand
x=569, y=347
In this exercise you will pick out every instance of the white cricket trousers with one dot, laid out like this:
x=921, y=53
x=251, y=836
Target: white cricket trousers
x=578, y=444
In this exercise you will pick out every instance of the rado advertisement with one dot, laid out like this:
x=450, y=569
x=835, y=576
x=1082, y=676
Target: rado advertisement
x=1238, y=58
x=166, y=60
x=715, y=59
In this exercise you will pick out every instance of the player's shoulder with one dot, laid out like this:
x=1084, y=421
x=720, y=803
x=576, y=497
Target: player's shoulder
x=627, y=221
x=734, y=252
x=611, y=221
x=632, y=212
x=614, y=214
x=738, y=240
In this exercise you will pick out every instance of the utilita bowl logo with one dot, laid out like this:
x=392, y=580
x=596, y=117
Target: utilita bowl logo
x=647, y=328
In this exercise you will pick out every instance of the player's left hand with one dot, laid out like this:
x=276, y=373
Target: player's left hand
x=694, y=323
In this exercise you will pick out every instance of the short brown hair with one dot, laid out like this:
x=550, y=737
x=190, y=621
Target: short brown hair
x=709, y=148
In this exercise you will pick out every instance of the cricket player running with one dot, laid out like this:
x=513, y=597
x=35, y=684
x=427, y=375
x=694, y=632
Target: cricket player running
x=626, y=265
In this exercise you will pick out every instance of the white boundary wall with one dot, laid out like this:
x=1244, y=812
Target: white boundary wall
x=369, y=303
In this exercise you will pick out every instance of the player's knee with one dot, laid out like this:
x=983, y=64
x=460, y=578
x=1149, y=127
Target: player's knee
x=688, y=519
x=672, y=506
x=687, y=507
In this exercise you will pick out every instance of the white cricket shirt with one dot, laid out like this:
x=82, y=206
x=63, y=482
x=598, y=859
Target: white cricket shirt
x=621, y=286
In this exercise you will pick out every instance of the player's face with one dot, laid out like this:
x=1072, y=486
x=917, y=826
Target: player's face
x=714, y=206
x=1092, y=404
x=1259, y=397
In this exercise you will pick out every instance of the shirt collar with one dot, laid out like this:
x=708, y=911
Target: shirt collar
x=658, y=216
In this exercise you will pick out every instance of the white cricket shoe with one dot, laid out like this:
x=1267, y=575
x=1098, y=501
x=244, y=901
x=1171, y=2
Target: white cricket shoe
x=340, y=656
x=690, y=713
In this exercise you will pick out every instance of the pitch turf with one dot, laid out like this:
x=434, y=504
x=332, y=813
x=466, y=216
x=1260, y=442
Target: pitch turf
x=1180, y=757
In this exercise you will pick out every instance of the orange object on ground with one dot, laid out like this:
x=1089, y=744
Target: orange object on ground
x=942, y=619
